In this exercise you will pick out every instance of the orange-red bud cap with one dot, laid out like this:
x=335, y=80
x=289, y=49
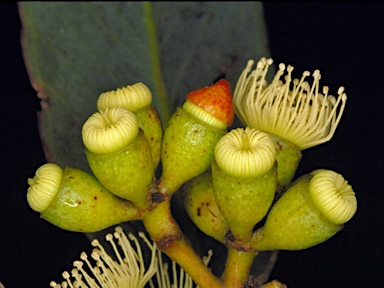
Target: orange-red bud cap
x=216, y=100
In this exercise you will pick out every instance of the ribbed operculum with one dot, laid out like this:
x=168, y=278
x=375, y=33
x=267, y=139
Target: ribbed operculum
x=245, y=153
x=131, y=97
x=301, y=114
x=109, y=130
x=333, y=196
x=203, y=115
x=44, y=186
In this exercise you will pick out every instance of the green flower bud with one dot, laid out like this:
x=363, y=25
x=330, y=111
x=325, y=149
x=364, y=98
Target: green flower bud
x=137, y=98
x=76, y=201
x=288, y=157
x=200, y=205
x=310, y=212
x=192, y=133
x=119, y=155
x=244, y=179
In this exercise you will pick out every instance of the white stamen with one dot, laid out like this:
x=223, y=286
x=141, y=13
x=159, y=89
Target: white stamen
x=299, y=114
x=129, y=270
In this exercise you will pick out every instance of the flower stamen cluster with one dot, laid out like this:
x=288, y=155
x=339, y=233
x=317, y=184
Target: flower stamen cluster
x=292, y=109
x=129, y=270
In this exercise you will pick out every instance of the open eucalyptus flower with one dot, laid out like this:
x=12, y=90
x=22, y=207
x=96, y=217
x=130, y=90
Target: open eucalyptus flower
x=127, y=268
x=293, y=110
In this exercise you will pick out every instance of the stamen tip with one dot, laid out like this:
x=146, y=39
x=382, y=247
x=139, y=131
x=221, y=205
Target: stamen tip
x=340, y=90
x=109, y=237
x=83, y=256
x=66, y=275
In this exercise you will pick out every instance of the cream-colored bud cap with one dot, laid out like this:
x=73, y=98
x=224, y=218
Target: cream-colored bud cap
x=109, y=130
x=44, y=186
x=333, y=196
x=203, y=115
x=245, y=152
x=131, y=97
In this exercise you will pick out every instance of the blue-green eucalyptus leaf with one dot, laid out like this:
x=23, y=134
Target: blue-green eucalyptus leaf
x=76, y=51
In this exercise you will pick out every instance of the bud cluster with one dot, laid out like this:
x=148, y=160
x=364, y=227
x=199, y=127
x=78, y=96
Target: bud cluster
x=229, y=180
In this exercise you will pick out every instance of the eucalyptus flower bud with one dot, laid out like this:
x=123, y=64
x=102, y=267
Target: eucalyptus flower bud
x=137, y=98
x=201, y=207
x=244, y=179
x=310, y=212
x=296, y=113
x=74, y=200
x=119, y=155
x=192, y=133
x=288, y=157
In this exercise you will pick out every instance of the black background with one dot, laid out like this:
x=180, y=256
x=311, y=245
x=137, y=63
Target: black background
x=344, y=40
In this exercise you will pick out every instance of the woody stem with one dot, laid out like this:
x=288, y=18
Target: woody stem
x=237, y=267
x=168, y=237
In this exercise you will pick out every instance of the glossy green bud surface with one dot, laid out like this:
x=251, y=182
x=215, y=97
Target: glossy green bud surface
x=82, y=204
x=201, y=207
x=187, y=149
x=128, y=172
x=243, y=201
x=294, y=222
x=149, y=122
x=288, y=157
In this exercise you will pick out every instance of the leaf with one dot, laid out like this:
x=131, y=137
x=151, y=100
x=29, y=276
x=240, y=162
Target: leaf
x=76, y=51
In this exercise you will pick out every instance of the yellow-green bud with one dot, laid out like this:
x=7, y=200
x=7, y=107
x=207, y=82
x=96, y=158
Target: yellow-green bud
x=310, y=212
x=192, y=133
x=244, y=179
x=187, y=149
x=288, y=157
x=119, y=154
x=201, y=207
x=74, y=200
x=137, y=98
